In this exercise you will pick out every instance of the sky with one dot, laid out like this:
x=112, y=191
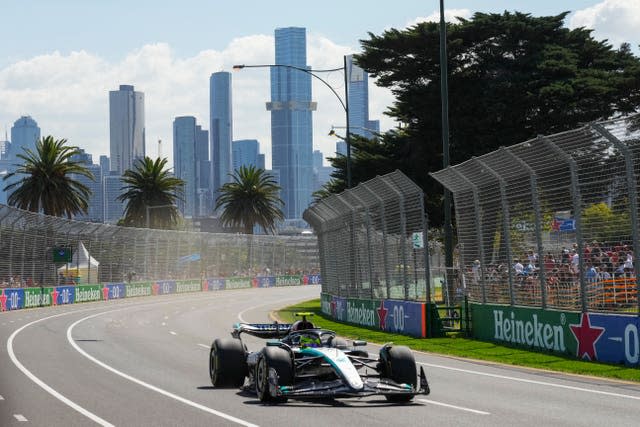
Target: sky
x=59, y=59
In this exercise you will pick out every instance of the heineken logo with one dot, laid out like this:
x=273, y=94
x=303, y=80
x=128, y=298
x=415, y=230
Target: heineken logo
x=361, y=315
x=92, y=294
x=528, y=331
x=188, y=287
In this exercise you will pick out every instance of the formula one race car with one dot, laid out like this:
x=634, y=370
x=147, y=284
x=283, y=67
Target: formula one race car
x=302, y=361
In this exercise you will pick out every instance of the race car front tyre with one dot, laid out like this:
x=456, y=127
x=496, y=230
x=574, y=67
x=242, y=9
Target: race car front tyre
x=280, y=360
x=227, y=363
x=399, y=365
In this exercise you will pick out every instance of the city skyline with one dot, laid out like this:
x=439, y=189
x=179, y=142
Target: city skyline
x=61, y=82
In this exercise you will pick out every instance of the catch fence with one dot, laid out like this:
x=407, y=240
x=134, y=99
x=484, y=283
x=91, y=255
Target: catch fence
x=373, y=241
x=552, y=222
x=32, y=246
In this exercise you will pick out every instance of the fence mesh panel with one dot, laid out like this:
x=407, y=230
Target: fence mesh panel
x=28, y=241
x=370, y=239
x=552, y=222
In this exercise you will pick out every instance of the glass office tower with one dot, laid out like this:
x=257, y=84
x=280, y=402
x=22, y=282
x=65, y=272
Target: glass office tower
x=184, y=161
x=221, y=129
x=126, y=127
x=359, y=122
x=291, y=121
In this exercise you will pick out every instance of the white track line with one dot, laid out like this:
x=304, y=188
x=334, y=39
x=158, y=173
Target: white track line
x=20, y=418
x=39, y=382
x=204, y=346
x=1, y=398
x=524, y=380
x=144, y=384
x=446, y=405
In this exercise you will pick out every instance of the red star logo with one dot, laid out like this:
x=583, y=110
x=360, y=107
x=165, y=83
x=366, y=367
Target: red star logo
x=254, y=282
x=382, y=315
x=155, y=288
x=587, y=336
x=305, y=280
x=333, y=307
x=205, y=285
x=555, y=225
x=54, y=296
x=105, y=293
x=3, y=302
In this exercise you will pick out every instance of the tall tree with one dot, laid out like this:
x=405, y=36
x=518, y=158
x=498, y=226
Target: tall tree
x=46, y=181
x=250, y=198
x=511, y=77
x=151, y=193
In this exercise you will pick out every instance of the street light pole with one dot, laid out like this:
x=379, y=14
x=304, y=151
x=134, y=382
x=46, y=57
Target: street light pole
x=444, y=93
x=344, y=103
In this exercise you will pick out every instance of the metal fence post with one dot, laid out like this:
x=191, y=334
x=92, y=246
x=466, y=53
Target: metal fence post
x=577, y=208
x=633, y=197
x=480, y=234
x=533, y=183
x=385, y=251
x=506, y=221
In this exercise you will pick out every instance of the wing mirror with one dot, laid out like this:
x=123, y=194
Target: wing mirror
x=359, y=343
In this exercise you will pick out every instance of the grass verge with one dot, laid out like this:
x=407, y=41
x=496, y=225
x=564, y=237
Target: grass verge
x=458, y=346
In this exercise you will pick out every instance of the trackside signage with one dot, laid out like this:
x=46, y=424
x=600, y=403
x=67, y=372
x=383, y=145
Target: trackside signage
x=610, y=338
x=403, y=317
x=37, y=297
x=88, y=293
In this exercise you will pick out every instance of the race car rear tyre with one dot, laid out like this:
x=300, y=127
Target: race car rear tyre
x=399, y=365
x=280, y=360
x=227, y=363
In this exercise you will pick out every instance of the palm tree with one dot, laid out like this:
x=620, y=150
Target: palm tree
x=47, y=184
x=151, y=193
x=251, y=198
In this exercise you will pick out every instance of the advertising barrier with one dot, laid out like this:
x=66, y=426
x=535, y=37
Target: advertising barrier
x=19, y=298
x=402, y=317
x=610, y=338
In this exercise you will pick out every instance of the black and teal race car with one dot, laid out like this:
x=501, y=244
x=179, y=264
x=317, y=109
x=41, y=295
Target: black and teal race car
x=302, y=361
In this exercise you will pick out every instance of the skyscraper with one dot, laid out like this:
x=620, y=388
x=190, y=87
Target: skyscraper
x=359, y=122
x=184, y=161
x=24, y=135
x=246, y=152
x=203, y=172
x=221, y=128
x=95, y=210
x=291, y=121
x=126, y=127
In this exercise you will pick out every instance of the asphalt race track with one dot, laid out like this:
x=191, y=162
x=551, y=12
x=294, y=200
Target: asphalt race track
x=144, y=362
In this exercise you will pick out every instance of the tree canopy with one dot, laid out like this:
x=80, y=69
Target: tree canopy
x=511, y=77
x=151, y=193
x=250, y=198
x=46, y=182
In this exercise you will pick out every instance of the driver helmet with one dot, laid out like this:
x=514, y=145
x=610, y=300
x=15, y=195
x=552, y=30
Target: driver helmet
x=308, y=340
x=301, y=325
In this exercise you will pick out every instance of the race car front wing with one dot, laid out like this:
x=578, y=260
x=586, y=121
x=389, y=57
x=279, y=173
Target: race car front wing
x=338, y=388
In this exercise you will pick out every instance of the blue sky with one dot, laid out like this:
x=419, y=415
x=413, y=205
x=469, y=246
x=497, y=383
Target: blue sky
x=60, y=58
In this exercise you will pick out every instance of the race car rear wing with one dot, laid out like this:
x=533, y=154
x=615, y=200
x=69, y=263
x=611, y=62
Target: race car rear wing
x=261, y=330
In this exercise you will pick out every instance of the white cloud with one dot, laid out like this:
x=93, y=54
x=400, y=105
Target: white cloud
x=449, y=16
x=615, y=20
x=68, y=95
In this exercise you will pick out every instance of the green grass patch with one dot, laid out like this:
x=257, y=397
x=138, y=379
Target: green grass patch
x=455, y=344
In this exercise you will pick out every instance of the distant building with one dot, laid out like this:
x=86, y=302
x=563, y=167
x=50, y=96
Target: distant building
x=104, y=165
x=126, y=128
x=246, y=152
x=111, y=189
x=203, y=173
x=221, y=129
x=24, y=135
x=184, y=161
x=359, y=122
x=291, y=110
x=321, y=173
